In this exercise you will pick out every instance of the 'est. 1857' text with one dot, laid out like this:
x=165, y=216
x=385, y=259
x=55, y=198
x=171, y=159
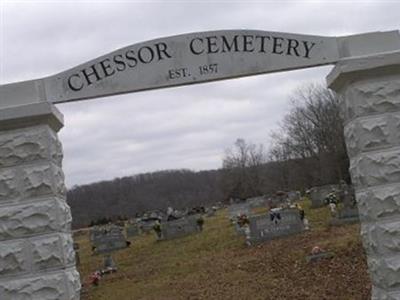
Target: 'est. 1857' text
x=184, y=72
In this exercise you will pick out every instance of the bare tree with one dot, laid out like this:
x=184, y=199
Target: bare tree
x=242, y=169
x=311, y=135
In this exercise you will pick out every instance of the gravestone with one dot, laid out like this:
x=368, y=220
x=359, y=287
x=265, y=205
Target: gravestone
x=146, y=225
x=316, y=257
x=256, y=202
x=348, y=196
x=318, y=194
x=238, y=209
x=210, y=212
x=346, y=216
x=280, y=198
x=348, y=213
x=108, y=240
x=109, y=264
x=240, y=230
x=95, y=232
x=157, y=214
x=132, y=230
x=77, y=257
x=262, y=228
x=294, y=196
x=179, y=228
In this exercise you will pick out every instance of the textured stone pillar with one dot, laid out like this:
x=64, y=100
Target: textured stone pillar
x=370, y=87
x=37, y=259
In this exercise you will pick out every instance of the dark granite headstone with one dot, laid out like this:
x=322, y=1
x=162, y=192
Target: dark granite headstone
x=256, y=202
x=146, y=225
x=109, y=239
x=348, y=213
x=294, y=196
x=179, y=228
x=262, y=228
x=277, y=199
x=95, y=234
x=109, y=263
x=132, y=231
x=318, y=194
x=77, y=257
x=238, y=209
x=240, y=230
x=346, y=216
x=210, y=213
x=348, y=197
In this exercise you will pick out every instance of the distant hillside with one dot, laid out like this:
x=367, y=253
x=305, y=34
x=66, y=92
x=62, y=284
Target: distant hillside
x=127, y=196
x=130, y=195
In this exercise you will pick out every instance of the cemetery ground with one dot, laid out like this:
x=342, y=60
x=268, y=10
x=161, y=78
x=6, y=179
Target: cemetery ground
x=216, y=264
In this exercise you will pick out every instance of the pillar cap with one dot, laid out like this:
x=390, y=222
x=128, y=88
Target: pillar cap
x=30, y=115
x=363, y=67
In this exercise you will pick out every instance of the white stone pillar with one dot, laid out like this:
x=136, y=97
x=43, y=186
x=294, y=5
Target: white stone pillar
x=370, y=87
x=37, y=259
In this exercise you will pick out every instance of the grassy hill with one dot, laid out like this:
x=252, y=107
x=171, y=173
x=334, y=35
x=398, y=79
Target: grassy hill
x=215, y=264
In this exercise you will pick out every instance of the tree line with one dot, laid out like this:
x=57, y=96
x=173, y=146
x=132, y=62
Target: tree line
x=126, y=197
x=307, y=150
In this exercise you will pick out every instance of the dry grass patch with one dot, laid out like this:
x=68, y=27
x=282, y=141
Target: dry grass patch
x=215, y=264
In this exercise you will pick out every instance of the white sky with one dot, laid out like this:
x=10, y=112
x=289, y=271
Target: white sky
x=185, y=127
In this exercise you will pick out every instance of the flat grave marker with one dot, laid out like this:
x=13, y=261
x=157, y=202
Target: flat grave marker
x=316, y=257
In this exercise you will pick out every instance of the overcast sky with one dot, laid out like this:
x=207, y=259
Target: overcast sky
x=185, y=127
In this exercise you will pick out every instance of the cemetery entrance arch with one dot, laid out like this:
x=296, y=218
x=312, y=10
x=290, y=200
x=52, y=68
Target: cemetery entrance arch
x=36, y=251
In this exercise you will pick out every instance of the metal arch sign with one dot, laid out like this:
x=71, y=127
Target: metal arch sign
x=189, y=59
